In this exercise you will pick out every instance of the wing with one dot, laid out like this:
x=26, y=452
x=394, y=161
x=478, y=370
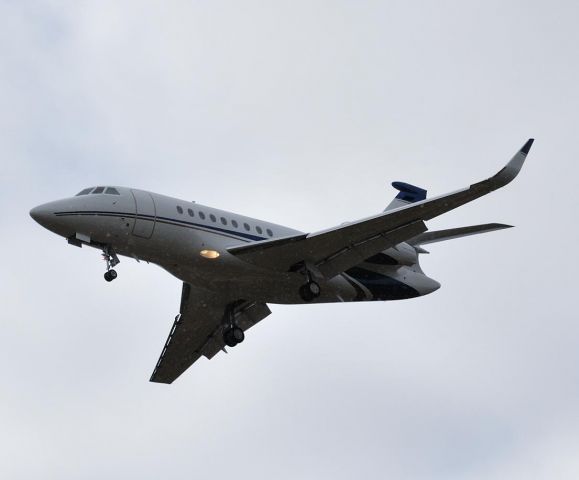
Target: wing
x=198, y=329
x=333, y=251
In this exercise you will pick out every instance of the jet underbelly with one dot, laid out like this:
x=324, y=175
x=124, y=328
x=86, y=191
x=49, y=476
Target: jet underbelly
x=145, y=214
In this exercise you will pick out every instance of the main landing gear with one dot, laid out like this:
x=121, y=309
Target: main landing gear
x=232, y=334
x=112, y=260
x=310, y=291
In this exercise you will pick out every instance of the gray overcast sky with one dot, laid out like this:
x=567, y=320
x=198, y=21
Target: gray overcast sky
x=298, y=112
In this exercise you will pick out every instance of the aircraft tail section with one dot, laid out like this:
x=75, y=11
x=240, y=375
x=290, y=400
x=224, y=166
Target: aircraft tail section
x=452, y=233
x=406, y=194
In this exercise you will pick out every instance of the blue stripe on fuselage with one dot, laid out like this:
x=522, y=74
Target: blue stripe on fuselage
x=166, y=220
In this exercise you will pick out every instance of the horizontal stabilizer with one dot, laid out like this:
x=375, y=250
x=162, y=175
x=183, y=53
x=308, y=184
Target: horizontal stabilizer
x=452, y=233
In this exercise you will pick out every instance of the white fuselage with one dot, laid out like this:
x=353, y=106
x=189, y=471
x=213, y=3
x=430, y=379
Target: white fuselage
x=172, y=233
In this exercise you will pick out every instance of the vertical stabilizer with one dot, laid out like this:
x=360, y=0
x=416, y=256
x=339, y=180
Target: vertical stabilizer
x=406, y=194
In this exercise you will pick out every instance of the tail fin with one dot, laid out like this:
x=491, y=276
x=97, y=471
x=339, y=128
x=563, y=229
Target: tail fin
x=452, y=233
x=407, y=194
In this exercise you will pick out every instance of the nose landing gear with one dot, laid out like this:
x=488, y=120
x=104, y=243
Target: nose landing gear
x=112, y=260
x=110, y=275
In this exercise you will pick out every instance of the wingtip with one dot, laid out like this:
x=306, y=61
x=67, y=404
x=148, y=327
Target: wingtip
x=511, y=169
x=527, y=146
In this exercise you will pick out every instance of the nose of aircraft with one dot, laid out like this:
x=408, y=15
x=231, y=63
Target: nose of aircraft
x=42, y=214
x=45, y=215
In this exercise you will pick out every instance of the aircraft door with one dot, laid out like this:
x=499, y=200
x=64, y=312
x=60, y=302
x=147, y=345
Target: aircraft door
x=145, y=214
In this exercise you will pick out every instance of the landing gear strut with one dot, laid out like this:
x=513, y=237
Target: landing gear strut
x=232, y=334
x=112, y=260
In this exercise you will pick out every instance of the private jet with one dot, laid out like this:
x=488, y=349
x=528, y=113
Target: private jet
x=232, y=266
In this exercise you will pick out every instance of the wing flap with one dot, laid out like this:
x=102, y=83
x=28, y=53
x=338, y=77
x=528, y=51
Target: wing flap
x=356, y=253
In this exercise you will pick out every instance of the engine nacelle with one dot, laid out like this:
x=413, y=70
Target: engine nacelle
x=403, y=254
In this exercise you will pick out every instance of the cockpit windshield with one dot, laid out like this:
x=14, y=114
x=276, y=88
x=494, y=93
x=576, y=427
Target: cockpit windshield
x=97, y=190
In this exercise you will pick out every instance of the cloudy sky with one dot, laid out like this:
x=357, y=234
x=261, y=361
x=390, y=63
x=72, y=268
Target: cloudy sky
x=302, y=113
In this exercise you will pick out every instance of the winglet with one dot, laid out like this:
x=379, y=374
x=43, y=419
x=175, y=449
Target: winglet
x=512, y=169
x=527, y=146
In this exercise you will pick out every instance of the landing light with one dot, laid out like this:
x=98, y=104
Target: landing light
x=212, y=254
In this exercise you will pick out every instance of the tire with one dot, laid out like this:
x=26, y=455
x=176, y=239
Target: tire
x=315, y=289
x=237, y=334
x=108, y=277
x=306, y=293
x=228, y=338
x=112, y=274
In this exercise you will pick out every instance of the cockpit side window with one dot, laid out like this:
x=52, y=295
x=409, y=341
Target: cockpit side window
x=106, y=190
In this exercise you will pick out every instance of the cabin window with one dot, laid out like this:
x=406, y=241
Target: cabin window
x=202, y=215
x=98, y=190
x=269, y=232
x=234, y=223
x=246, y=226
x=112, y=191
x=213, y=218
x=86, y=191
x=259, y=230
x=179, y=209
x=223, y=220
x=190, y=211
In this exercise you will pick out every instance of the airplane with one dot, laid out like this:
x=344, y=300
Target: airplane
x=232, y=266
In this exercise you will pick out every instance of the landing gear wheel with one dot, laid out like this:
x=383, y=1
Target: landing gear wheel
x=112, y=260
x=232, y=336
x=238, y=335
x=110, y=275
x=309, y=291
